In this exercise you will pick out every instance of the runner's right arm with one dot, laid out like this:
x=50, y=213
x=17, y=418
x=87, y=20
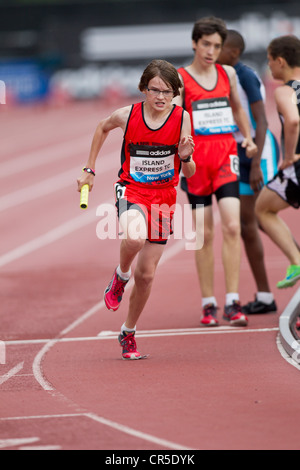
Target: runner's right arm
x=118, y=118
x=239, y=114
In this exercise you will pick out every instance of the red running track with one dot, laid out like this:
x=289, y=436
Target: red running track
x=63, y=384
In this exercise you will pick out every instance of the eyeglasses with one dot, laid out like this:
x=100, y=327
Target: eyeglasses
x=166, y=93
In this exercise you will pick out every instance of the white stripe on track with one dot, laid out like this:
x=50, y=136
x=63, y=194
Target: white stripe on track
x=112, y=335
x=53, y=235
x=49, y=237
x=106, y=422
x=11, y=373
x=53, y=184
x=139, y=434
x=50, y=154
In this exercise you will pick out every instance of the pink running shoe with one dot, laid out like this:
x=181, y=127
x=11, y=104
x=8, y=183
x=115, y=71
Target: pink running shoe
x=127, y=342
x=233, y=313
x=114, y=292
x=209, y=315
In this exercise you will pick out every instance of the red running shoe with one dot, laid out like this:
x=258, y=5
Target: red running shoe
x=114, y=292
x=127, y=342
x=233, y=313
x=209, y=315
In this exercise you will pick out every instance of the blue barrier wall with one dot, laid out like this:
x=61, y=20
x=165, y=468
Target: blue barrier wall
x=25, y=81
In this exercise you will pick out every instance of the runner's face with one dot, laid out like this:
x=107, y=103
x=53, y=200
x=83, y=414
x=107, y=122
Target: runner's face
x=226, y=56
x=208, y=48
x=155, y=97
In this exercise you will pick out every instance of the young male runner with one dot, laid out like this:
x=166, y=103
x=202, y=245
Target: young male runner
x=256, y=172
x=156, y=145
x=283, y=190
x=210, y=96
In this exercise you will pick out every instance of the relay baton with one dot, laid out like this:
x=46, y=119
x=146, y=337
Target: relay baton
x=84, y=196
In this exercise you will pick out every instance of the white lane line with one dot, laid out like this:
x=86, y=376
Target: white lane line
x=40, y=189
x=54, y=416
x=49, y=237
x=138, y=434
x=53, y=235
x=104, y=335
x=186, y=331
x=4, y=443
x=11, y=373
x=51, y=153
x=52, y=185
x=37, y=366
x=98, y=419
x=49, y=447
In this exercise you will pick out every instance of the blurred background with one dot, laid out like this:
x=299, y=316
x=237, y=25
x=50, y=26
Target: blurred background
x=60, y=50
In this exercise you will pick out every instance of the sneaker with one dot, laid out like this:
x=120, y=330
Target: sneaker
x=127, y=342
x=259, y=307
x=209, y=315
x=114, y=292
x=233, y=313
x=292, y=276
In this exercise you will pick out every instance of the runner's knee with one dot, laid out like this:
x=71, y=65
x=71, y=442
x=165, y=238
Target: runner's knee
x=232, y=229
x=134, y=245
x=144, y=277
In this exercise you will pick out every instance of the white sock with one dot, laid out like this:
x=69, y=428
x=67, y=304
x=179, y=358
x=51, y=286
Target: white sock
x=209, y=300
x=231, y=297
x=124, y=276
x=128, y=330
x=265, y=297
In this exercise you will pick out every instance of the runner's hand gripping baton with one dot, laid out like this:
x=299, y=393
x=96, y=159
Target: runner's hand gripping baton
x=84, y=196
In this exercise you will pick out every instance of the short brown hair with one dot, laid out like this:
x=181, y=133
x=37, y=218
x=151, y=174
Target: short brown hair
x=287, y=47
x=163, y=69
x=209, y=25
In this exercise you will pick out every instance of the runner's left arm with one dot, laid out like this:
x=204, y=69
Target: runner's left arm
x=186, y=146
x=239, y=114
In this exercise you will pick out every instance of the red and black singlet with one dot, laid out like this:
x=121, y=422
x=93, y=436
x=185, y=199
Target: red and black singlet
x=215, y=153
x=150, y=156
x=210, y=110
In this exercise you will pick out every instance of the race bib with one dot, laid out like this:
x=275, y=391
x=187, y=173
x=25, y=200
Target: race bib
x=152, y=164
x=213, y=116
x=235, y=164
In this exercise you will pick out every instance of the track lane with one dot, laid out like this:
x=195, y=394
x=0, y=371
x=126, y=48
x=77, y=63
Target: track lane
x=211, y=377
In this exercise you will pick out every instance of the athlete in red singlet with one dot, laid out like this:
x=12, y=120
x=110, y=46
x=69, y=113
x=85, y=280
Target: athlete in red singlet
x=157, y=143
x=150, y=170
x=212, y=123
x=210, y=96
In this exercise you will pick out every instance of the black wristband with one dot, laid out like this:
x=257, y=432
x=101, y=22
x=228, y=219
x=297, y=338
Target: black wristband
x=89, y=170
x=186, y=160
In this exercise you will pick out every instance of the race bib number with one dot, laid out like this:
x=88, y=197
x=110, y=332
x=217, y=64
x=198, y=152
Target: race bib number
x=152, y=164
x=213, y=116
x=120, y=190
x=235, y=164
